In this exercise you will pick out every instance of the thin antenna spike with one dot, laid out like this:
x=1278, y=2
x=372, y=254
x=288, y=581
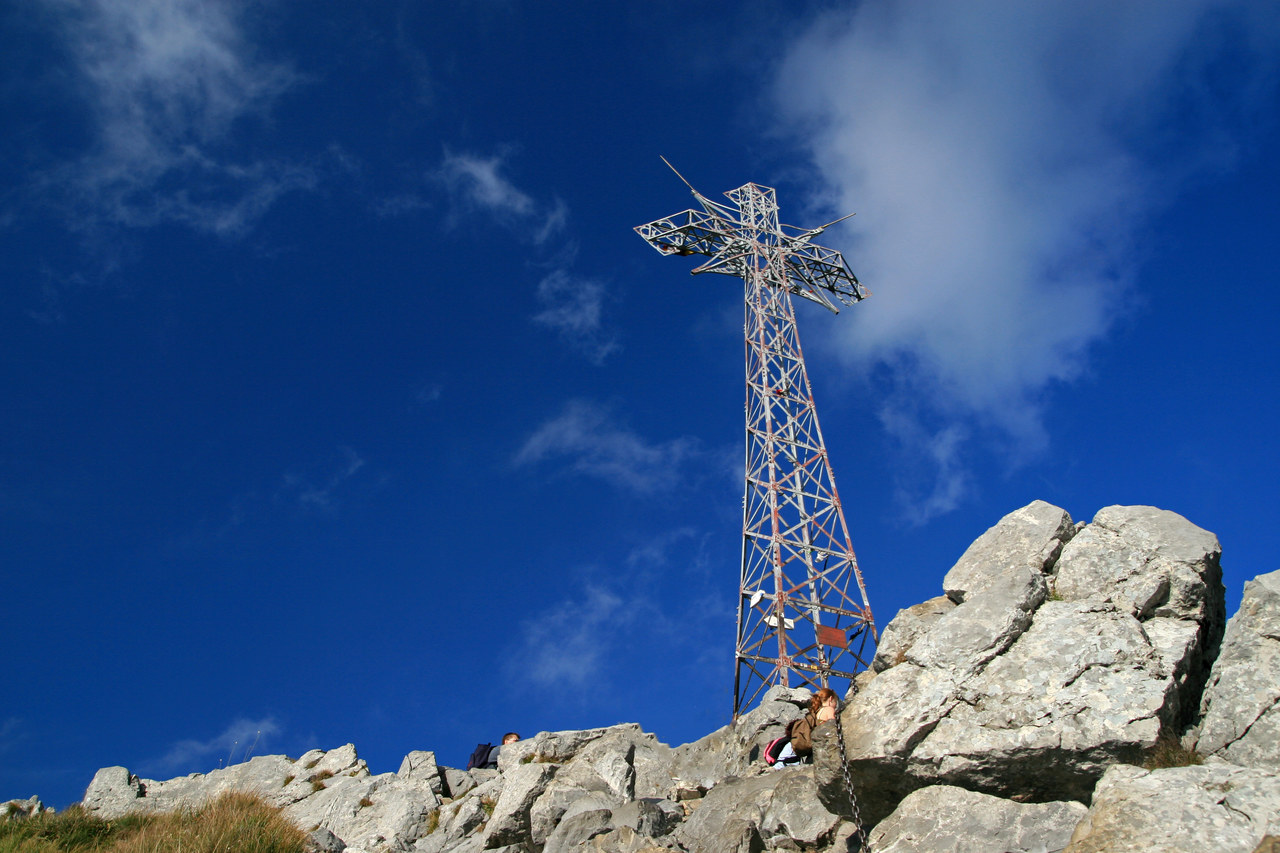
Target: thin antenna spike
x=680, y=176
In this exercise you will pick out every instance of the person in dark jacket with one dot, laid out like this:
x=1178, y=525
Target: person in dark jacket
x=822, y=708
x=509, y=737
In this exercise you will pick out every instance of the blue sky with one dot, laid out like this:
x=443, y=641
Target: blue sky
x=342, y=403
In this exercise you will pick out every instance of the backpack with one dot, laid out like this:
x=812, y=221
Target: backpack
x=479, y=756
x=774, y=747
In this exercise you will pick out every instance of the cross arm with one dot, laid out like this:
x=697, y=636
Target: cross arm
x=690, y=232
x=816, y=271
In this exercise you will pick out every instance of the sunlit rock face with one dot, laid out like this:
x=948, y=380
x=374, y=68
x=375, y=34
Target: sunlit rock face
x=1241, y=719
x=1070, y=648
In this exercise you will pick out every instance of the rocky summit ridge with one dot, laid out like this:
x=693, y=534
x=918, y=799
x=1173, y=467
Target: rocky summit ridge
x=1014, y=712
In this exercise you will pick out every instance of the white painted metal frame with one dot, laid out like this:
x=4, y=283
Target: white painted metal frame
x=799, y=623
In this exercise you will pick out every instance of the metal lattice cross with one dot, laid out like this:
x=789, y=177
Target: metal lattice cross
x=798, y=620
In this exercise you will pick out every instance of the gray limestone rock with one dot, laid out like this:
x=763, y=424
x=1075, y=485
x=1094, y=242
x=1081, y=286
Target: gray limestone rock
x=945, y=819
x=1150, y=560
x=1027, y=538
x=1012, y=694
x=901, y=634
x=561, y=799
x=456, y=782
x=649, y=817
x=990, y=618
x=780, y=805
x=624, y=839
x=1081, y=690
x=367, y=812
x=20, y=809
x=547, y=747
x=324, y=841
x=509, y=823
x=457, y=821
x=574, y=832
x=420, y=766
x=112, y=793
x=1240, y=721
x=1218, y=807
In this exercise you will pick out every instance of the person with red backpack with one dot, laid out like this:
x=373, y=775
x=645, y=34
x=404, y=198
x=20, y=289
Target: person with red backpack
x=797, y=744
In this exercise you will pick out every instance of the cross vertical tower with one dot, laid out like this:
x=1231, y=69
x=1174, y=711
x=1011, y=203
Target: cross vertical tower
x=798, y=619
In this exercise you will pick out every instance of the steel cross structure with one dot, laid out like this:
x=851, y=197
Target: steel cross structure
x=798, y=620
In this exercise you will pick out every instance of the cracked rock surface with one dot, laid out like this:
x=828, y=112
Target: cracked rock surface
x=1067, y=650
x=1218, y=807
x=1241, y=720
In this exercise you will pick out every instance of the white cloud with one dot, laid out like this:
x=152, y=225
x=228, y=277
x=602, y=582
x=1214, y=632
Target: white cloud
x=1002, y=158
x=587, y=436
x=565, y=647
x=239, y=742
x=477, y=183
x=167, y=83
x=574, y=309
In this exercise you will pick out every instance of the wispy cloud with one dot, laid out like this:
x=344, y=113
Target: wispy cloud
x=476, y=183
x=589, y=440
x=238, y=742
x=167, y=83
x=574, y=307
x=615, y=623
x=1003, y=157
x=565, y=647
x=320, y=493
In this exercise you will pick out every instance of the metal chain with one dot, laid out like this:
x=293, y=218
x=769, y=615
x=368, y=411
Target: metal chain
x=864, y=843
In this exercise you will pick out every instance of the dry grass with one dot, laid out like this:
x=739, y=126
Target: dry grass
x=433, y=821
x=234, y=823
x=317, y=781
x=1169, y=752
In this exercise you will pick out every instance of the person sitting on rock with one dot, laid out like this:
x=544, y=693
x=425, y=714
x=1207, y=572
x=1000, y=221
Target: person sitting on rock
x=509, y=737
x=822, y=708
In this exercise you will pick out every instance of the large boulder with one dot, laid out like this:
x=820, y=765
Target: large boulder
x=1218, y=807
x=1241, y=711
x=509, y=823
x=779, y=806
x=420, y=766
x=1027, y=538
x=1044, y=673
x=367, y=812
x=945, y=819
